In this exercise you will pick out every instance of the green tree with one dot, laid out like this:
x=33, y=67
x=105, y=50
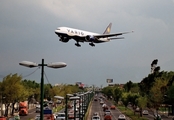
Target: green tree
x=135, y=88
x=13, y=91
x=157, y=93
x=117, y=92
x=128, y=86
x=125, y=99
x=108, y=91
x=33, y=89
x=142, y=103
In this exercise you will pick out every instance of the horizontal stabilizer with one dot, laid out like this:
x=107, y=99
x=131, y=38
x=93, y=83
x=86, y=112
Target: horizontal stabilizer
x=116, y=38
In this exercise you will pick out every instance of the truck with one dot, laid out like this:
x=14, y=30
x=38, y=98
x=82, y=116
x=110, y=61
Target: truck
x=23, y=108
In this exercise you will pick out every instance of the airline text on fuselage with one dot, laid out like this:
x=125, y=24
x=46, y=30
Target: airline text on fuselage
x=75, y=32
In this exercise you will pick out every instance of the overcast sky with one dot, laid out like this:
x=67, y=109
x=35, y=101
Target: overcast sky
x=27, y=33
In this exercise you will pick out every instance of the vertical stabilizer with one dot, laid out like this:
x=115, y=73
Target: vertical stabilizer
x=108, y=29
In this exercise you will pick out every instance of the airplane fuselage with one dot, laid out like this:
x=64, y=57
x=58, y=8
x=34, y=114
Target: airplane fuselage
x=78, y=33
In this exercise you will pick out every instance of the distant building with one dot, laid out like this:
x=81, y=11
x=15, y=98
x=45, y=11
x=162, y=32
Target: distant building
x=118, y=85
x=80, y=84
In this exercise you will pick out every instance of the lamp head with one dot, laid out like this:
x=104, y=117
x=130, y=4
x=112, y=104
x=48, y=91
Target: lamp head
x=57, y=65
x=59, y=97
x=28, y=64
x=74, y=98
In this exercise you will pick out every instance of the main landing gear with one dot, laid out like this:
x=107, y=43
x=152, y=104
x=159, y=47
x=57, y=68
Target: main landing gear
x=92, y=44
x=77, y=44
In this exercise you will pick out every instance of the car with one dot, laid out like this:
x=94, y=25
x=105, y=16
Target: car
x=96, y=114
x=112, y=107
x=37, y=108
x=157, y=117
x=145, y=112
x=107, y=112
x=59, y=101
x=71, y=115
x=95, y=117
x=121, y=117
x=60, y=116
x=105, y=108
x=95, y=99
x=37, y=117
x=137, y=109
x=107, y=117
x=101, y=102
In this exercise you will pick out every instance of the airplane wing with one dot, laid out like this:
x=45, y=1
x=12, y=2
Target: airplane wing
x=83, y=38
x=110, y=35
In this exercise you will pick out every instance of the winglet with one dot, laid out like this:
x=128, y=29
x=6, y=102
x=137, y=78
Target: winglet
x=108, y=29
x=128, y=32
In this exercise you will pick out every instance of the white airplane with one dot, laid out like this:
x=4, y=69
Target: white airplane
x=66, y=33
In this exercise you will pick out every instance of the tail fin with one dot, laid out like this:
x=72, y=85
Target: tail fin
x=108, y=29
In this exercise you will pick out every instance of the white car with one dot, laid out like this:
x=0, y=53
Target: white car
x=37, y=117
x=145, y=112
x=104, y=105
x=37, y=108
x=101, y=102
x=96, y=117
x=121, y=117
x=60, y=116
x=107, y=112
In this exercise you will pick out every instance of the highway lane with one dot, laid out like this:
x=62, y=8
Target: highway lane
x=97, y=107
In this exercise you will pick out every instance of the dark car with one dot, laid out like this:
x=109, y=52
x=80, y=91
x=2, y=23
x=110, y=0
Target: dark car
x=95, y=99
x=157, y=117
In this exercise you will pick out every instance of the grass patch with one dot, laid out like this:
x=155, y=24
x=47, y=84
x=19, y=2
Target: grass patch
x=130, y=113
x=57, y=109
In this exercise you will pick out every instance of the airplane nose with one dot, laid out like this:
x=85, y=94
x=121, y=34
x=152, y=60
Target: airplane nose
x=56, y=31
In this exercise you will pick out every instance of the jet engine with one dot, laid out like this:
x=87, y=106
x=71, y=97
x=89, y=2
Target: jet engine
x=90, y=38
x=64, y=39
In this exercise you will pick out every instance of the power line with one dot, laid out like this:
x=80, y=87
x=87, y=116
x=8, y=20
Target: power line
x=46, y=78
x=31, y=73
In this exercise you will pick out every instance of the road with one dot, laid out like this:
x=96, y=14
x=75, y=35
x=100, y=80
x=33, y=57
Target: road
x=97, y=107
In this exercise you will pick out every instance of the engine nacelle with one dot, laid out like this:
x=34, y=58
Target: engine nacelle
x=64, y=39
x=90, y=38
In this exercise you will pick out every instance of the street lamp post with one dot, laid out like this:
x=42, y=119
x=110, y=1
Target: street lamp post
x=81, y=107
x=86, y=101
x=52, y=65
x=74, y=98
x=66, y=105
